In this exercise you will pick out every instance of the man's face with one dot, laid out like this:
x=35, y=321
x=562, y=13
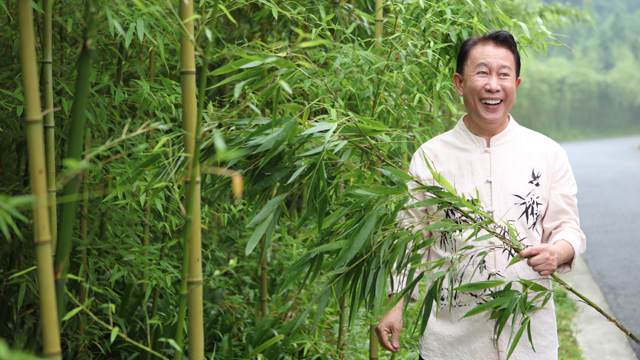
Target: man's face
x=488, y=86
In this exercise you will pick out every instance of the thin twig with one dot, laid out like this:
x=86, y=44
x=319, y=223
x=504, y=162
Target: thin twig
x=128, y=339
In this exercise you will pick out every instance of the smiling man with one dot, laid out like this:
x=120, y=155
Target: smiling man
x=519, y=176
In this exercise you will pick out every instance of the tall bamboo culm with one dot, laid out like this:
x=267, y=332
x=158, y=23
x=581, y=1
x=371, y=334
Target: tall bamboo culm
x=192, y=179
x=49, y=123
x=373, y=338
x=42, y=233
x=74, y=151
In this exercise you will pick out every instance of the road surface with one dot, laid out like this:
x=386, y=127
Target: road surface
x=608, y=175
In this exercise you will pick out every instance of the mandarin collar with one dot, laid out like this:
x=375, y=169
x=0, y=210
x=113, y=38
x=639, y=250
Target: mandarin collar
x=504, y=137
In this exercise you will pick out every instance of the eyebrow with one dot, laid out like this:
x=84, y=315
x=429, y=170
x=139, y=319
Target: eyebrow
x=487, y=64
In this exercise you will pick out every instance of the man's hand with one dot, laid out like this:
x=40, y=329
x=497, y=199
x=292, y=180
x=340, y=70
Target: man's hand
x=545, y=258
x=391, y=323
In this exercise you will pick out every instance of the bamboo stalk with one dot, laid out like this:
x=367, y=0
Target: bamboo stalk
x=192, y=258
x=49, y=123
x=74, y=150
x=379, y=20
x=152, y=64
x=41, y=220
x=342, y=327
x=82, y=290
x=145, y=237
x=264, y=281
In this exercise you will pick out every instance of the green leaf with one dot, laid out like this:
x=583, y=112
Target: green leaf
x=257, y=234
x=518, y=336
x=226, y=12
x=266, y=210
x=23, y=288
x=328, y=247
x=364, y=233
x=114, y=334
x=398, y=173
x=296, y=174
x=307, y=44
x=4, y=6
x=140, y=27
x=37, y=7
x=285, y=86
x=71, y=313
x=265, y=345
x=235, y=65
x=23, y=272
x=321, y=126
x=481, y=285
x=486, y=306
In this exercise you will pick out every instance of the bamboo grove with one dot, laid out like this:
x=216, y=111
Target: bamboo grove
x=221, y=178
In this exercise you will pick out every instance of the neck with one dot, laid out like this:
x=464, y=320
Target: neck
x=486, y=132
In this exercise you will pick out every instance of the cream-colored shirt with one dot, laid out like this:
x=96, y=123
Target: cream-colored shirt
x=523, y=178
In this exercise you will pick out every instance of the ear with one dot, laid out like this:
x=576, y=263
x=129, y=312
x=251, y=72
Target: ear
x=457, y=81
x=518, y=83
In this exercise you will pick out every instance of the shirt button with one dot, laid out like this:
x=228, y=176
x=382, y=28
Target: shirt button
x=488, y=181
x=494, y=337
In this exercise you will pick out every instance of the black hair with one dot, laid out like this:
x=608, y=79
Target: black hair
x=500, y=38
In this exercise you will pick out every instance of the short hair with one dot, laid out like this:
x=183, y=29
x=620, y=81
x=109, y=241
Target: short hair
x=500, y=38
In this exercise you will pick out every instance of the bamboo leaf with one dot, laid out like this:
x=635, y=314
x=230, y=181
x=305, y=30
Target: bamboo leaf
x=140, y=27
x=114, y=334
x=23, y=272
x=518, y=336
x=486, y=306
x=266, y=210
x=322, y=126
x=308, y=44
x=296, y=174
x=23, y=288
x=71, y=313
x=285, y=86
x=226, y=12
x=364, y=233
x=265, y=345
x=328, y=247
x=481, y=285
x=257, y=234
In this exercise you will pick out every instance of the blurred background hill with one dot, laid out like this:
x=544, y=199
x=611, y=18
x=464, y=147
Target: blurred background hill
x=594, y=90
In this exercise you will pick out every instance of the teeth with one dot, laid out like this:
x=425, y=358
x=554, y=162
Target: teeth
x=491, y=102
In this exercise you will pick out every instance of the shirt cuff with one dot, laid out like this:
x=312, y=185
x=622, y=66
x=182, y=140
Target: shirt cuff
x=576, y=242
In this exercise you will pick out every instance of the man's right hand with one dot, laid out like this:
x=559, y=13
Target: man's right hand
x=391, y=323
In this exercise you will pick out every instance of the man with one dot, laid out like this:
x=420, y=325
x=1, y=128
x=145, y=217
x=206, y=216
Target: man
x=521, y=177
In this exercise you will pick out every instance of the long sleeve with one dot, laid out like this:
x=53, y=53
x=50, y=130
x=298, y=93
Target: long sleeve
x=561, y=219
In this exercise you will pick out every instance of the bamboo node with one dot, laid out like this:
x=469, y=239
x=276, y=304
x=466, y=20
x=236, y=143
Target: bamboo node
x=42, y=241
x=187, y=72
x=194, y=281
x=34, y=120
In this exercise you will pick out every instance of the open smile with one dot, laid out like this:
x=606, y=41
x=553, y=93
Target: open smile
x=491, y=101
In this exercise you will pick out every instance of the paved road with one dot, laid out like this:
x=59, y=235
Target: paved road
x=608, y=175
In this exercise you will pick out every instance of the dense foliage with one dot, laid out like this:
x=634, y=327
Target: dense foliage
x=317, y=118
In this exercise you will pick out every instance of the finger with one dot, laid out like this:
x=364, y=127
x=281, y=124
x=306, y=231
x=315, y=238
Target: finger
x=383, y=339
x=395, y=339
x=529, y=251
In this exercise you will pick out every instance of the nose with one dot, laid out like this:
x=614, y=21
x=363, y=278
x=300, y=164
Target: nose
x=492, y=85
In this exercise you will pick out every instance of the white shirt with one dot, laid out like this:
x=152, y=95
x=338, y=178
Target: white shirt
x=523, y=178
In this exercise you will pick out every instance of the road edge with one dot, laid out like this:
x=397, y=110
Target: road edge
x=597, y=337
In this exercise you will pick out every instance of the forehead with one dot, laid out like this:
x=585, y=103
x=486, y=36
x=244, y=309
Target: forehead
x=491, y=54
